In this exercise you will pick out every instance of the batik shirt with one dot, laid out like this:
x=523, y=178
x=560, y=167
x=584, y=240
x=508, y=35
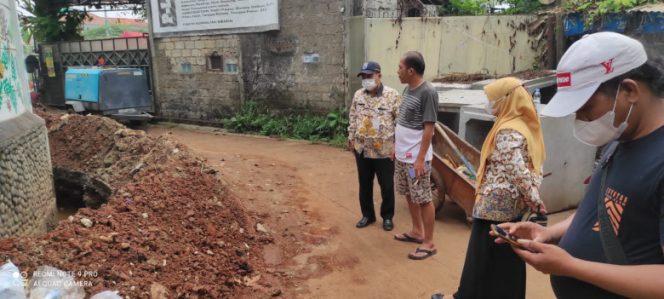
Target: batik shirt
x=372, y=122
x=510, y=186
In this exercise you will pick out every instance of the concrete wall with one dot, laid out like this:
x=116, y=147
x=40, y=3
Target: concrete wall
x=27, y=200
x=355, y=53
x=484, y=44
x=271, y=66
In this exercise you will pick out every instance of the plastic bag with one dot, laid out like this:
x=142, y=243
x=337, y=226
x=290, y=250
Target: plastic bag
x=107, y=295
x=49, y=282
x=11, y=282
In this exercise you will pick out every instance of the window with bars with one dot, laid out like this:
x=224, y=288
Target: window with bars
x=215, y=62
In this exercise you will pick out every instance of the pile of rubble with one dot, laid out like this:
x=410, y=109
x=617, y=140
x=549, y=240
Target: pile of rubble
x=168, y=225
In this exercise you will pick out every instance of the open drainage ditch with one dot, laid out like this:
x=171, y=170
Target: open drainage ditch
x=75, y=190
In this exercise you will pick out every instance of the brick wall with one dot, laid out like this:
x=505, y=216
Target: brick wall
x=187, y=87
x=273, y=63
x=271, y=66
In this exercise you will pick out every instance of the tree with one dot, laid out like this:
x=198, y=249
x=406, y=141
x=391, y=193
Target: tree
x=593, y=10
x=483, y=7
x=53, y=20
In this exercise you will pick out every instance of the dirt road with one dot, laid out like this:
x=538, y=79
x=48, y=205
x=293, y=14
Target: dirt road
x=307, y=196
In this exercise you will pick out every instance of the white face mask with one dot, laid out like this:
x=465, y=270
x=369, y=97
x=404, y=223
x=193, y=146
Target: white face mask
x=601, y=131
x=369, y=84
x=488, y=106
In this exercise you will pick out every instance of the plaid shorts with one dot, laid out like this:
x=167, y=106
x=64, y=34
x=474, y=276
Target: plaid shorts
x=417, y=191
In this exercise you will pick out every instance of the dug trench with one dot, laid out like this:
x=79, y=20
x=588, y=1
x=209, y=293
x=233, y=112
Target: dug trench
x=151, y=219
x=230, y=216
x=75, y=190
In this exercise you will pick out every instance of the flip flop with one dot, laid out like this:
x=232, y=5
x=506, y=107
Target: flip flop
x=406, y=238
x=420, y=250
x=437, y=296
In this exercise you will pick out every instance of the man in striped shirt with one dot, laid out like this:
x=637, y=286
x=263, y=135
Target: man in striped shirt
x=413, y=134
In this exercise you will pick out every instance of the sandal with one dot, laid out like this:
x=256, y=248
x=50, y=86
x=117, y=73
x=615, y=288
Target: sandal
x=407, y=238
x=428, y=253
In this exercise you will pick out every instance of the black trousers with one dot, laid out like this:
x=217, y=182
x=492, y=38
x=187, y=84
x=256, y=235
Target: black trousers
x=491, y=270
x=384, y=170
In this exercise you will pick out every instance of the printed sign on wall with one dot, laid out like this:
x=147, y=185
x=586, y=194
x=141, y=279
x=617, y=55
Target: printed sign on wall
x=198, y=17
x=48, y=59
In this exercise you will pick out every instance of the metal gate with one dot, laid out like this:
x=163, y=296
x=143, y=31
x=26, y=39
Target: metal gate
x=117, y=52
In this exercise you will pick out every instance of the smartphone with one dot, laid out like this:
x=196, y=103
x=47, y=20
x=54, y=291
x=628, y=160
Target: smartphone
x=501, y=233
x=411, y=172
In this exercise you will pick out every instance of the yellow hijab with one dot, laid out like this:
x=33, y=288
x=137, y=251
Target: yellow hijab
x=516, y=111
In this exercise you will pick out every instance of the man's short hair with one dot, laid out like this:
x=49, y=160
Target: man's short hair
x=414, y=60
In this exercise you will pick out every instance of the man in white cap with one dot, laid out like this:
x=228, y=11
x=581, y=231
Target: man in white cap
x=613, y=246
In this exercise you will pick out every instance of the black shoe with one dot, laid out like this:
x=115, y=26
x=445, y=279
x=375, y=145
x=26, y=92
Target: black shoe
x=388, y=225
x=364, y=222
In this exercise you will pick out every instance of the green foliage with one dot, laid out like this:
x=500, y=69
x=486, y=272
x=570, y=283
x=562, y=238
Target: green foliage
x=53, y=20
x=593, y=10
x=253, y=118
x=114, y=30
x=522, y=6
x=463, y=8
x=481, y=7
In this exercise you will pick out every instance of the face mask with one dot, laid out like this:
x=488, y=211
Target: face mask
x=488, y=106
x=369, y=84
x=601, y=131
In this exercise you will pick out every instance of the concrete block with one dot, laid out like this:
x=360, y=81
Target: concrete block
x=179, y=45
x=210, y=44
x=233, y=43
x=199, y=44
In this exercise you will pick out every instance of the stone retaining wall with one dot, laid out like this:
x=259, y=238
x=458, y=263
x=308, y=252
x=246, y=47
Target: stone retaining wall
x=27, y=199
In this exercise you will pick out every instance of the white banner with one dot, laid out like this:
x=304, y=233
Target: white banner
x=197, y=17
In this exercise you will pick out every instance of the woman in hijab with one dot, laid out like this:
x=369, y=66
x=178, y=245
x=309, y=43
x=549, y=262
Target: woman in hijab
x=508, y=182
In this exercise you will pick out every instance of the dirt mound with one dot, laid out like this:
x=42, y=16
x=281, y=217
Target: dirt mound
x=169, y=221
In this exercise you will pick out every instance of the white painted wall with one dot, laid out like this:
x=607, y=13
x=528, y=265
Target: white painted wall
x=14, y=94
x=483, y=44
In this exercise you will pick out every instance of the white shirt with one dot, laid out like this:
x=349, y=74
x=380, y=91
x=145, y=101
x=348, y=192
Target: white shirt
x=408, y=143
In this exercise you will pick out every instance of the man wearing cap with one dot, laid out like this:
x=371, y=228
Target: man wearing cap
x=613, y=246
x=373, y=114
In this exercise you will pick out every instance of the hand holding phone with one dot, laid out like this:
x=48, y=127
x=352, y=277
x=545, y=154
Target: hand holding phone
x=501, y=233
x=413, y=175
